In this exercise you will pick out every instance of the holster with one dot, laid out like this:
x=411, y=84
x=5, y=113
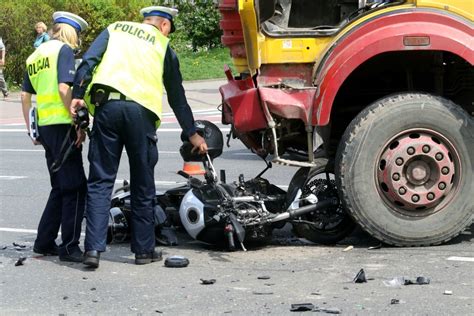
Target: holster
x=99, y=94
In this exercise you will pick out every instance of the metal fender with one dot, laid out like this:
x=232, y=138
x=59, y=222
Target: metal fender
x=404, y=30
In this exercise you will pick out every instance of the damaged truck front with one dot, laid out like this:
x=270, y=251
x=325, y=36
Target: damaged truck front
x=380, y=91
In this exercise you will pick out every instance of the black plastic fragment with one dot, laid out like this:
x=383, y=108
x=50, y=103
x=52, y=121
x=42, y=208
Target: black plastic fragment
x=262, y=293
x=360, y=277
x=208, y=281
x=18, y=245
x=264, y=277
x=176, y=262
x=20, y=261
x=419, y=280
x=394, y=301
x=301, y=307
x=329, y=310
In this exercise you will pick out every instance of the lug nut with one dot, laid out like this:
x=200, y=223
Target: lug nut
x=445, y=170
x=402, y=190
x=396, y=176
x=426, y=149
x=442, y=186
x=430, y=196
x=415, y=198
x=399, y=161
x=439, y=156
x=411, y=150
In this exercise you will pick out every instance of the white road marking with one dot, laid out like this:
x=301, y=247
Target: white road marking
x=24, y=231
x=22, y=150
x=10, y=130
x=467, y=259
x=12, y=177
x=18, y=230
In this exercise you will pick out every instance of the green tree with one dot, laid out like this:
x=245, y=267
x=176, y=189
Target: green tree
x=199, y=22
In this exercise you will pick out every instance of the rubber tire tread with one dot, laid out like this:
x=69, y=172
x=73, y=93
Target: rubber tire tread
x=354, y=142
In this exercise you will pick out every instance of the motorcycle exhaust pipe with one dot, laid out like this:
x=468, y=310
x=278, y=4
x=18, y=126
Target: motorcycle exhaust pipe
x=304, y=209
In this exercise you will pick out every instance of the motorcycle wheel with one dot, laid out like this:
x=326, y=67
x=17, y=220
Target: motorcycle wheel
x=326, y=226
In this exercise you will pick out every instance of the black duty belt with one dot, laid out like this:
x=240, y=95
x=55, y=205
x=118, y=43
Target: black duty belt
x=101, y=95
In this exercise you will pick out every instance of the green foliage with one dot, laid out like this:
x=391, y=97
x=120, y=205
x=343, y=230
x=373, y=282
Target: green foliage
x=199, y=21
x=18, y=33
x=196, y=27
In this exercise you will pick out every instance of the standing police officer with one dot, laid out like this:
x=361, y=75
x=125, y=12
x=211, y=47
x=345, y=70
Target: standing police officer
x=50, y=74
x=125, y=70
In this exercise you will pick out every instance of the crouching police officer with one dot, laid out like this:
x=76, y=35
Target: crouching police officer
x=50, y=73
x=125, y=69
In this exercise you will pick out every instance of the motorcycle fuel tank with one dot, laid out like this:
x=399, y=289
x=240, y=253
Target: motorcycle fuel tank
x=191, y=212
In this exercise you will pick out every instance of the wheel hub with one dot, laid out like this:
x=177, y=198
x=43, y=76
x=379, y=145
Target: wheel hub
x=416, y=170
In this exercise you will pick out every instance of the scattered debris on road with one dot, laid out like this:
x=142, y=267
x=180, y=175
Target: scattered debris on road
x=399, y=281
x=20, y=261
x=301, y=307
x=329, y=310
x=348, y=248
x=447, y=292
x=419, y=280
x=360, y=277
x=208, y=281
x=176, y=262
x=262, y=293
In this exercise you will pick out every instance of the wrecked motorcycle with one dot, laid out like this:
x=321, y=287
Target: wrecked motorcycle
x=229, y=214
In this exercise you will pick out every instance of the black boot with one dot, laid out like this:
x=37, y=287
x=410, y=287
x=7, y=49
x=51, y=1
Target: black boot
x=91, y=258
x=145, y=258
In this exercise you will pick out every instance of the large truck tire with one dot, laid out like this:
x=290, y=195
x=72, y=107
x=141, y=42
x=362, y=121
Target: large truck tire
x=404, y=169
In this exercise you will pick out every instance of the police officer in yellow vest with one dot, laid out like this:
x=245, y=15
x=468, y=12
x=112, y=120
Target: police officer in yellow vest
x=49, y=74
x=123, y=72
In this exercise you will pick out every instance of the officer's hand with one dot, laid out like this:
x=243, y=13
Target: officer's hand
x=198, y=143
x=81, y=137
x=36, y=142
x=76, y=104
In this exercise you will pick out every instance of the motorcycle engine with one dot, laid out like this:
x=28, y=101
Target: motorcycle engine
x=206, y=211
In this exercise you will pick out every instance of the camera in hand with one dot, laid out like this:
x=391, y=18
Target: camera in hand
x=82, y=118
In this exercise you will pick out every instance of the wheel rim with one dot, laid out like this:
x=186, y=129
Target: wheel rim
x=418, y=172
x=324, y=188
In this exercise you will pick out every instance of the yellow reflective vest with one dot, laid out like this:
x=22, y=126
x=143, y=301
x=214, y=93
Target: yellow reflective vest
x=138, y=73
x=42, y=68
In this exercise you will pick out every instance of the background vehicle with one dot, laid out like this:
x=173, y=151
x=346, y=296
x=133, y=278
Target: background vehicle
x=381, y=90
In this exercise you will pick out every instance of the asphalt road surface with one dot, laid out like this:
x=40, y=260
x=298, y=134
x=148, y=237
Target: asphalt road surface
x=264, y=280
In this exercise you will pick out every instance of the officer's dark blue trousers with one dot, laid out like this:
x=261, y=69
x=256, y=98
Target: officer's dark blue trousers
x=118, y=124
x=65, y=206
